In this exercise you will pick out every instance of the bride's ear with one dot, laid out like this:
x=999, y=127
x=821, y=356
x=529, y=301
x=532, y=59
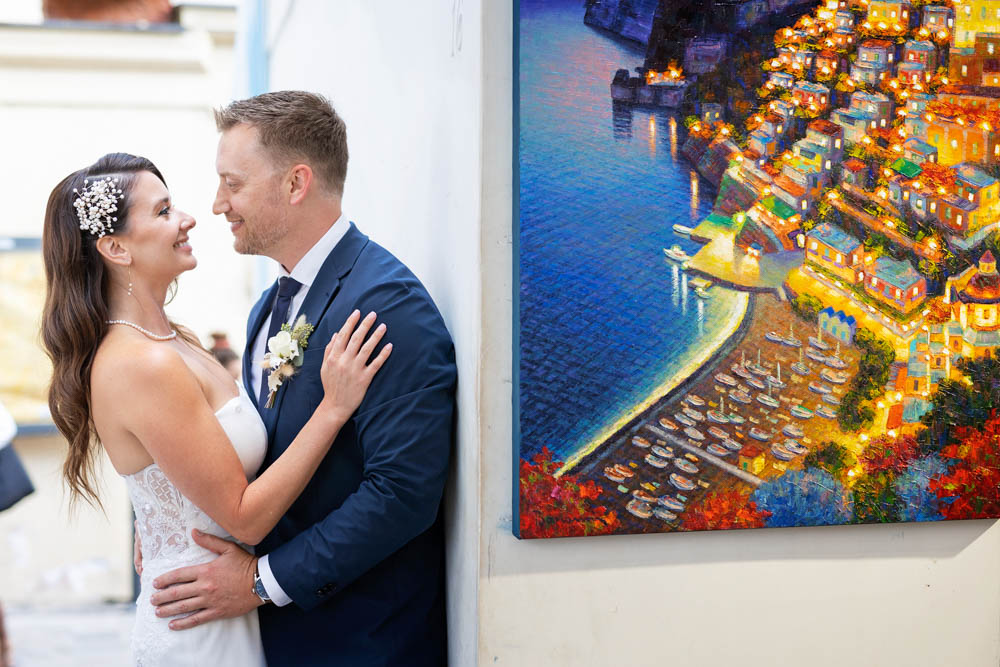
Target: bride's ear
x=111, y=249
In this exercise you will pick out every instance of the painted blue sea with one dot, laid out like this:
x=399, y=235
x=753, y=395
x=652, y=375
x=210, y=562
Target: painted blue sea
x=605, y=318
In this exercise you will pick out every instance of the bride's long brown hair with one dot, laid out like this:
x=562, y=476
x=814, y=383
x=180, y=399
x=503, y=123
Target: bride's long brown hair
x=74, y=319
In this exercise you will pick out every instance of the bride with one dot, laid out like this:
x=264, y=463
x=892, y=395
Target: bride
x=185, y=438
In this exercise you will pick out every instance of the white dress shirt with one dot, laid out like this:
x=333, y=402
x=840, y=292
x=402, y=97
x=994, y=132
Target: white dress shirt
x=305, y=273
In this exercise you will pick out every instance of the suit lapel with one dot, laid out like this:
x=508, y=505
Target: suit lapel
x=254, y=323
x=338, y=263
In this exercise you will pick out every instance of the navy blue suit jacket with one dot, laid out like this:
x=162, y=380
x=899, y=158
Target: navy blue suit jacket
x=361, y=552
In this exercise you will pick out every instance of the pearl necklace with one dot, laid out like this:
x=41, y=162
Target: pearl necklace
x=150, y=334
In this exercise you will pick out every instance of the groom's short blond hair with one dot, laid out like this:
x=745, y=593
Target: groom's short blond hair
x=295, y=126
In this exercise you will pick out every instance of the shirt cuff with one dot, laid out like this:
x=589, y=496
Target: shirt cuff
x=274, y=590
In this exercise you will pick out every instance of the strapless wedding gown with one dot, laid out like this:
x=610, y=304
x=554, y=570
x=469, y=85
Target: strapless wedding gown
x=165, y=520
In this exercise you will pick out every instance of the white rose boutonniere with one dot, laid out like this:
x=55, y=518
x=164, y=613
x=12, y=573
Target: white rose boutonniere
x=284, y=354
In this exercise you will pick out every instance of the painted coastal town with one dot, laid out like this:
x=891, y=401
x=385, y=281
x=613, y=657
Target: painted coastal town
x=806, y=327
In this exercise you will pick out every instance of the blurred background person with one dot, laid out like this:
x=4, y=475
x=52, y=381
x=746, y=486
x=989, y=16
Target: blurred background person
x=14, y=485
x=230, y=360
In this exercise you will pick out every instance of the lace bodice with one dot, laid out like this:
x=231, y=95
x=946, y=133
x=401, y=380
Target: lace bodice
x=165, y=519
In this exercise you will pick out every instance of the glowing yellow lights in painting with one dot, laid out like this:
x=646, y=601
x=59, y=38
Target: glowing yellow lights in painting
x=694, y=195
x=673, y=138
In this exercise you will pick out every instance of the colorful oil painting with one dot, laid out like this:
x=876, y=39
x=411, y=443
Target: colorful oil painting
x=755, y=262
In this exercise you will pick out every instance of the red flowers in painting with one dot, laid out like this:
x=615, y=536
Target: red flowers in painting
x=724, y=511
x=560, y=506
x=888, y=454
x=973, y=482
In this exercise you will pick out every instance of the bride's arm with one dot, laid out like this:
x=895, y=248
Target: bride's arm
x=170, y=416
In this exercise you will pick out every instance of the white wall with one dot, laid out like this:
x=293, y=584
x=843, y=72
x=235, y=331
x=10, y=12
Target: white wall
x=405, y=77
x=430, y=178
x=72, y=95
x=68, y=96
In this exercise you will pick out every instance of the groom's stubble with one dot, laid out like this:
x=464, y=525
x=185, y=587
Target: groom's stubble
x=264, y=228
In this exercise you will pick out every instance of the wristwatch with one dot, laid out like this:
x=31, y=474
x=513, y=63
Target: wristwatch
x=258, y=586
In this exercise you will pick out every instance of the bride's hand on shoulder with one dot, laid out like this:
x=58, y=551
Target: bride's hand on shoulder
x=347, y=371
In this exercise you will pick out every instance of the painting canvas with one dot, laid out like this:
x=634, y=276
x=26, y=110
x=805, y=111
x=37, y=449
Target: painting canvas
x=755, y=262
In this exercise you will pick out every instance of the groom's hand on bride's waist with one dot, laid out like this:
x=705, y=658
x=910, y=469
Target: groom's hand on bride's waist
x=221, y=588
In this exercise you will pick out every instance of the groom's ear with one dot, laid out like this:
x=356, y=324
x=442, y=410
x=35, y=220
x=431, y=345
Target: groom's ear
x=300, y=179
x=111, y=249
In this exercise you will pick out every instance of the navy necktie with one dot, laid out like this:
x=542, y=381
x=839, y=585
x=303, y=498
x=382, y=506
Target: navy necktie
x=287, y=288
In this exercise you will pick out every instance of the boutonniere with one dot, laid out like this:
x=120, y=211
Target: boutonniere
x=284, y=355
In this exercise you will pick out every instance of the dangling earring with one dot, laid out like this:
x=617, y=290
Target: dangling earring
x=130, y=280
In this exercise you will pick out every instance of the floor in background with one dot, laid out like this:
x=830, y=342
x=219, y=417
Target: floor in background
x=52, y=637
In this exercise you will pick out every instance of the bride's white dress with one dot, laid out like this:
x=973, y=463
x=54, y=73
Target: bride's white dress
x=165, y=520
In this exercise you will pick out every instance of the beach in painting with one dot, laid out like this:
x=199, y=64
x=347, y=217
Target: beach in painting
x=727, y=317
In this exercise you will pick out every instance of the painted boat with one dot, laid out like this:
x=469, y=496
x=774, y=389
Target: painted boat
x=740, y=397
x=682, y=419
x=757, y=369
x=800, y=368
x=792, y=431
x=781, y=453
x=667, y=424
x=790, y=340
x=835, y=362
x=671, y=503
x=769, y=401
x=831, y=399
x=758, y=434
x=694, y=414
x=681, y=482
x=827, y=412
x=639, y=509
x=835, y=377
x=818, y=343
x=664, y=514
x=795, y=448
x=686, y=466
x=740, y=371
x=695, y=400
x=732, y=445
x=756, y=384
x=736, y=419
x=725, y=379
x=663, y=452
x=640, y=441
x=694, y=433
x=774, y=336
x=717, y=450
x=624, y=469
x=819, y=388
x=777, y=383
x=717, y=417
x=683, y=229
x=675, y=253
x=614, y=474
x=801, y=412
x=717, y=432
x=643, y=496
x=816, y=356
x=656, y=461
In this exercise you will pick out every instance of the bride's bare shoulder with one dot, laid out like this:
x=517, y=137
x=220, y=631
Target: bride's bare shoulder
x=124, y=362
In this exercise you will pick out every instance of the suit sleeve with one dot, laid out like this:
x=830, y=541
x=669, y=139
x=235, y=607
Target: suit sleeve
x=404, y=430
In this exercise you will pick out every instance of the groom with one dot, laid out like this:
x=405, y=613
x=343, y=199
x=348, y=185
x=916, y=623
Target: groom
x=353, y=574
